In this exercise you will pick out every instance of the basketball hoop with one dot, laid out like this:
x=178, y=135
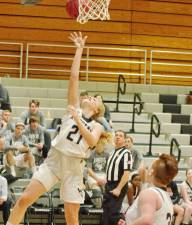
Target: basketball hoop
x=93, y=10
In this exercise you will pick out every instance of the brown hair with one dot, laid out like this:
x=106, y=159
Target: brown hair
x=165, y=168
x=33, y=119
x=34, y=101
x=96, y=95
x=84, y=93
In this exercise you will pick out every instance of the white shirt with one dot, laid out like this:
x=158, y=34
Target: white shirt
x=69, y=141
x=3, y=188
x=163, y=216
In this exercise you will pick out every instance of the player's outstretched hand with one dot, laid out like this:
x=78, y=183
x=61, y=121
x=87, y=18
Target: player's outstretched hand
x=78, y=39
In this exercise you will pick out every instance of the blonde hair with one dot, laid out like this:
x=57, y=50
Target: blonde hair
x=101, y=111
x=105, y=138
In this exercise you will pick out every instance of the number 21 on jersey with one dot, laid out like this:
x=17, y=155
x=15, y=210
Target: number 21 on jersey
x=74, y=135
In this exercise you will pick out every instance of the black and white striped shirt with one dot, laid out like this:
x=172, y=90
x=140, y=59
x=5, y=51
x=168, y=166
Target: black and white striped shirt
x=119, y=161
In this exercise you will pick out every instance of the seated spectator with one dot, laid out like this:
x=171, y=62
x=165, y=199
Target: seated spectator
x=96, y=168
x=134, y=188
x=186, y=192
x=5, y=203
x=33, y=110
x=136, y=155
x=189, y=98
x=17, y=151
x=107, y=113
x=4, y=99
x=181, y=209
x=2, y=148
x=35, y=136
x=6, y=125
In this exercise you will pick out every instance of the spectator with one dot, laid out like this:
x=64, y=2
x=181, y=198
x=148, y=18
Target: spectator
x=182, y=210
x=35, y=136
x=107, y=113
x=17, y=150
x=134, y=188
x=186, y=193
x=5, y=203
x=96, y=166
x=136, y=155
x=4, y=99
x=189, y=98
x=6, y=125
x=2, y=148
x=33, y=110
x=186, y=187
x=118, y=169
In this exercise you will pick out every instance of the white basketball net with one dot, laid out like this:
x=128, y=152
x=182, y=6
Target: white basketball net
x=93, y=10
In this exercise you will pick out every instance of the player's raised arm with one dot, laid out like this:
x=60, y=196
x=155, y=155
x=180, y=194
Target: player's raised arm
x=73, y=95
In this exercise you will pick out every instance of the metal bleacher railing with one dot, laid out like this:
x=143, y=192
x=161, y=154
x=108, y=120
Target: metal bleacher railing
x=13, y=51
x=89, y=58
x=155, y=129
x=129, y=62
x=175, y=145
x=176, y=59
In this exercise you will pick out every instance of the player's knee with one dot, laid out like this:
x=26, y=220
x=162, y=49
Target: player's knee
x=25, y=200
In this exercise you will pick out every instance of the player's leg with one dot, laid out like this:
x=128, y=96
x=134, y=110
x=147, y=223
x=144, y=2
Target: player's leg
x=30, y=195
x=179, y=211
x=42, y=181
x=187, y=213
x=72, y=213
x=72, y=188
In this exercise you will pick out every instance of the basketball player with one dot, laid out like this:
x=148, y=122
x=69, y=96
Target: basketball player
x=154, y=206
x=79, y=132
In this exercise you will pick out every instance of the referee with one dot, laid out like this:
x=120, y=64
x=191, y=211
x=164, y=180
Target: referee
x=118, y=169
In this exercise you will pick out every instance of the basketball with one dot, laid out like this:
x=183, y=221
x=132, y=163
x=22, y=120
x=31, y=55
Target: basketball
x=72, y=8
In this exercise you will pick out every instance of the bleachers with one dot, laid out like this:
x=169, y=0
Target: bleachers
x=52, y=96
x=175, y=119
x=53, y=102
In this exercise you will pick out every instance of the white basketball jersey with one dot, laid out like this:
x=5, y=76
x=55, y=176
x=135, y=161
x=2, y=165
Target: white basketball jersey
x=163, y=216
x=69, y=141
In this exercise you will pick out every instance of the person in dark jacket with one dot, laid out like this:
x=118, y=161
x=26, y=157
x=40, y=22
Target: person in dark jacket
x=4, y=99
